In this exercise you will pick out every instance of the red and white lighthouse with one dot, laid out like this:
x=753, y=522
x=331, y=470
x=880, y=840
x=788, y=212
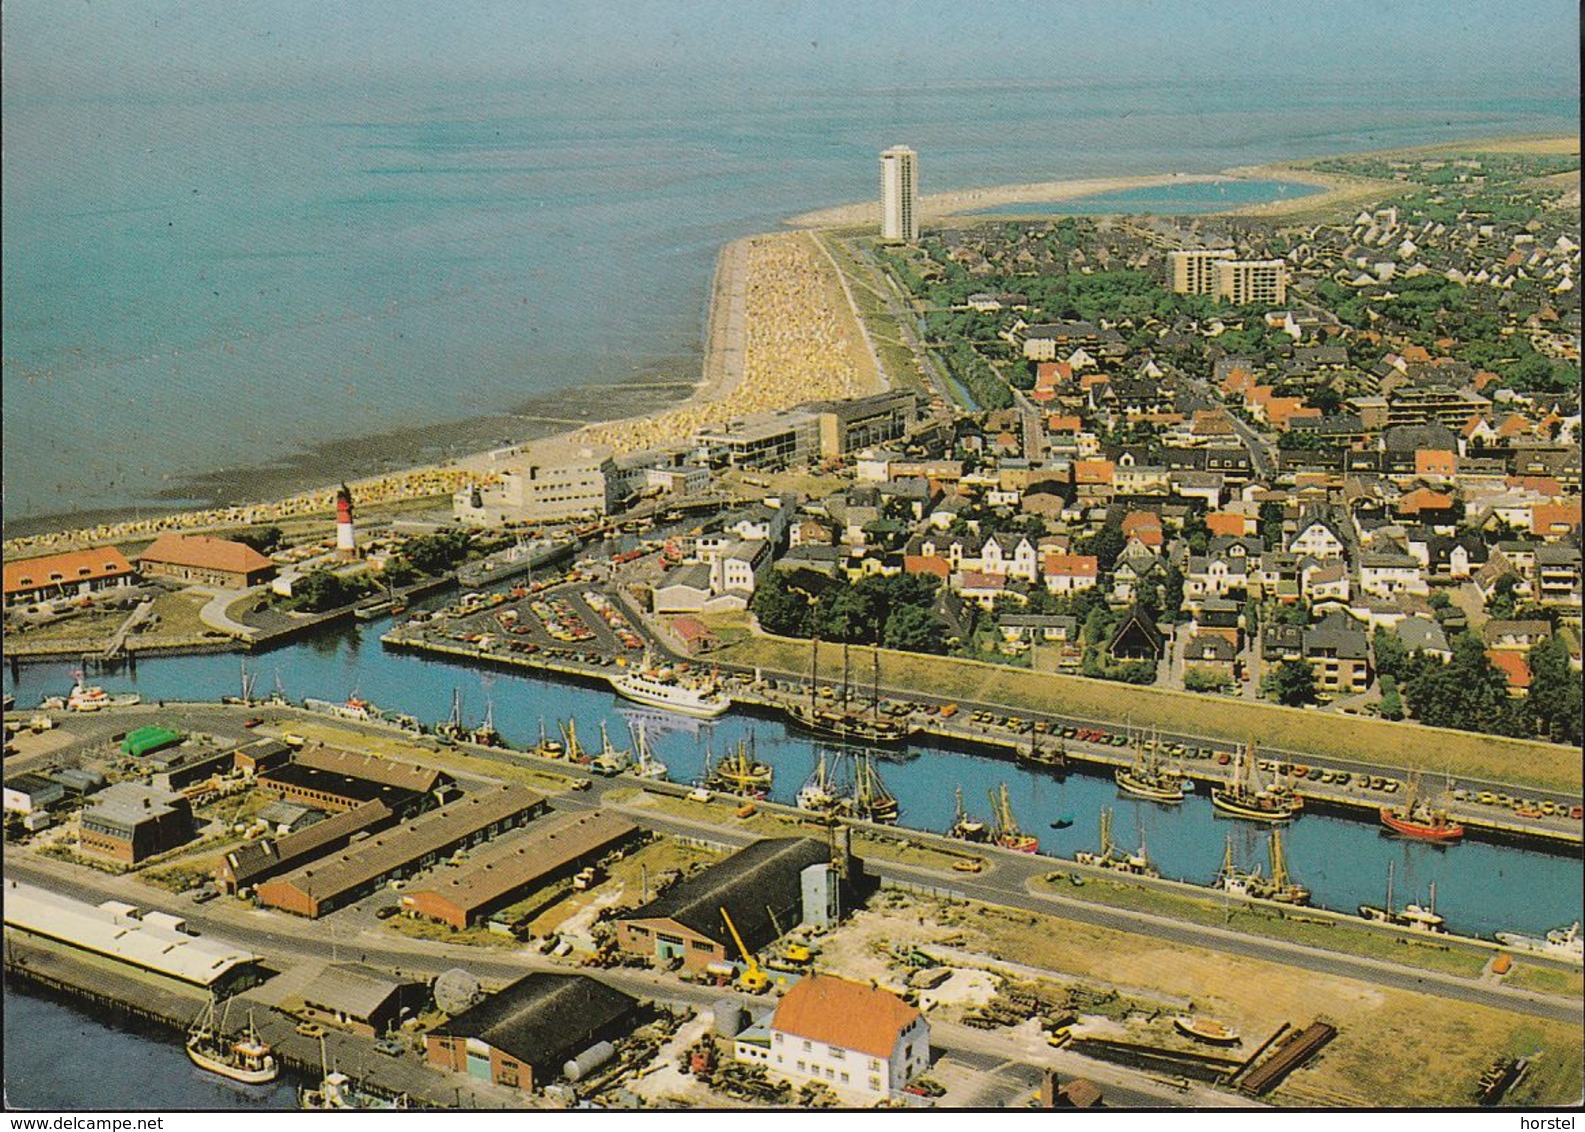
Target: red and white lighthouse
x=346, y=534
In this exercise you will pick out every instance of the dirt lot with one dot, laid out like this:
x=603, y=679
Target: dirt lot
x=1394, y=1048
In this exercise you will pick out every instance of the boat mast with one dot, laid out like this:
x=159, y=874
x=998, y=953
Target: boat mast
x=876, y=688
x=1279, y=867
x=844, y=677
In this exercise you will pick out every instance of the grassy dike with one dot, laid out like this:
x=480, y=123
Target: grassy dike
x=1435, y=751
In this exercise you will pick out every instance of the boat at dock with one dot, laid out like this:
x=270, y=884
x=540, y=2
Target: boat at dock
x=90, y=697
x=1112, y=856
x=1047, y=758
x=966, y=827
x=819, y=793
x=740, y=773
x=338, y=1092
x=485, y=735
x=662, y=688
x=611, y=760
x=1278, y=887
x=1411, y=916
x=1004, y=828
x=243, y=1057
x=870, y=800
x=853, y=724
x=1245, y=796
x=1148, y=778
x=548, y=748
x=354, y=707
x=1421, y=819
x=1559, y=943
x=645, y=764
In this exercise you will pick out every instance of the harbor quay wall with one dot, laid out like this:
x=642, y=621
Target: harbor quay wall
x=161, y=1006
x=964, y=735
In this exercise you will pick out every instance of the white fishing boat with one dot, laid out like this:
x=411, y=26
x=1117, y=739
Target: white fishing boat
x=243, y=1057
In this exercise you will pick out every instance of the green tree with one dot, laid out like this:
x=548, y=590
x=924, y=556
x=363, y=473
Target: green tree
x=1554, y=692
x=398, y=572
x=435, y=554
x=1105, y=544
x=1270, y=523
x=1390, y=653
x=1291, y=683
x=781, y=609
x=1391, y=701
x=1503, y=602
x=322, y=589
x=914, y=628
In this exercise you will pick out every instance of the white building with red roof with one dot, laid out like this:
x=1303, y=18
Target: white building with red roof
x=860, y=1040
x=70, y=574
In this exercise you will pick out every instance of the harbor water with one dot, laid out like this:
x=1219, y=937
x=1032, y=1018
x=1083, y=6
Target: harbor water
x=1481, y=887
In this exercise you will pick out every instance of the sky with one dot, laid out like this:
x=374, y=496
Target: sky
x=98, y=49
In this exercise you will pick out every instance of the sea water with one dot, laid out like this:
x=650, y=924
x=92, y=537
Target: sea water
x=216, y=279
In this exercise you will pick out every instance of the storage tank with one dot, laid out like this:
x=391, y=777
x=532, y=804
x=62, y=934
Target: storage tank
x=730, y=1017
x=592, y=1058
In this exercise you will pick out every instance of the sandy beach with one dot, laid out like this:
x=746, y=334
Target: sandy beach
x=780, y=332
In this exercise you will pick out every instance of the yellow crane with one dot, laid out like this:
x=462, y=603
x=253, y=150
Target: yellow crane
x=753, y=979
x=793, y=950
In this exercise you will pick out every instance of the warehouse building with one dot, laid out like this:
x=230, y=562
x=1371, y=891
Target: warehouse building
x=512, y=866
x=523, y=1035
x=335, y=792
x=326, y=884
x=768, y=887
x=361, y=999
x=408, y=776
x=256, y=861
x=130, y=822
x=156, y=942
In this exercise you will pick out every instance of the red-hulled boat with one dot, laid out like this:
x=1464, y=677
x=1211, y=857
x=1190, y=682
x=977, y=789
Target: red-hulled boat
x=1422, y=822
x=1420, y=819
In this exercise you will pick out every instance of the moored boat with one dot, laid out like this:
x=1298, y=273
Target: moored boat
x=1112, y=856
x=1411, y=916
x=663, y=690
x=1559, y=943
x=1245, y=797
x=337, y=1091
x=1421, y=819
x=1147, y=778
x=243, y=1057
x=1004, y=830
x=91, y=697
x=966, y=827
x=741, y=773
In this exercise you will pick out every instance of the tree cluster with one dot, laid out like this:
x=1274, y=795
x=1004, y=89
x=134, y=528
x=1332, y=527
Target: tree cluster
x=895, y=611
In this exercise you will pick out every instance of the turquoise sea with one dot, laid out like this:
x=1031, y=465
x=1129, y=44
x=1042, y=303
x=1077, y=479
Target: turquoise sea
x=215, y=281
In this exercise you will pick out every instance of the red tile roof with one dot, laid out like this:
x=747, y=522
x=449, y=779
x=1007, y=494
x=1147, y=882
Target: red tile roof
x=1226, y=523
x=205, y=553
x=839, y=1012
x=1093, y=471
x=72, y=566
x=1072, y=565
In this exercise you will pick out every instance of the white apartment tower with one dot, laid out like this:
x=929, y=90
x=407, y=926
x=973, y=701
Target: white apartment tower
x=900, y=195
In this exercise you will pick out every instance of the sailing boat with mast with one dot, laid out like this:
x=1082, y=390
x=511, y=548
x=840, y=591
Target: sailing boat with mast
x=243, y=1057
x=1245, y=796
x=645, y=764
x=819, y=794
x=845, y=722
x=741, y=773
x=548, y=748
x=485, y=734
x=1421, y=819
x=1112, y=856
x=965, y=827
x=1004, y=830
x=611, y=759
x=1279, y=887
x=450, y=730
x=1147, y=778
x=871, y=801
x=1412, y=916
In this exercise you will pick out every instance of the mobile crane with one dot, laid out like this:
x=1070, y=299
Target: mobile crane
x=753, y=979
